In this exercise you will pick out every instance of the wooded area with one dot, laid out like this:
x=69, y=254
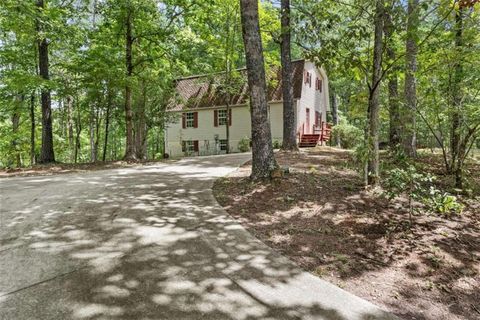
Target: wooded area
x=90, y=80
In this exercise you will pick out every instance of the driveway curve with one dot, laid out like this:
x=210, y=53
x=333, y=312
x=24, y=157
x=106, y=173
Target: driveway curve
x=147, y=243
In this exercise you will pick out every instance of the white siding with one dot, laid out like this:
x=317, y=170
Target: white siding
x=206, y=131
x=311, y=98
x=241, y=125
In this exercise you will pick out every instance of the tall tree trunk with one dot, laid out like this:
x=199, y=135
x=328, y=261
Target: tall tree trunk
x=70, y=126
x=15, y=127
x=141, y=126
x=46, y=154
x=289, y=136
x=32, y=128
x=334, y=105
x=93, y=154
x=373, y=174
x=263, y=160
x=393, y=96
x=107, y=123
x=129, y=137
x=456, y=120
x=409, y=112
x=98, y=125
x=78, y=129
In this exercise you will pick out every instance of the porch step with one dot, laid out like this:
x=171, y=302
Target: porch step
x=309, y=140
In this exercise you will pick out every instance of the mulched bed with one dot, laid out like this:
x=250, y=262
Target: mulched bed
x=320, y=216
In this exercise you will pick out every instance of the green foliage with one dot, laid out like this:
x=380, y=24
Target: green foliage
x=419, y=188
x=407, y=181
x=350, y=136
x=244, y=144
x=444, y=203
x=277, y=144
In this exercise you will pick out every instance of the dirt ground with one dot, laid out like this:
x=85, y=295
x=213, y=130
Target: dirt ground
x=59, y=168
x=320, y=216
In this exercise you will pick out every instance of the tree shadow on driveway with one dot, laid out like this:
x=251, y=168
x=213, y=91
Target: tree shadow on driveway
x=148, y=243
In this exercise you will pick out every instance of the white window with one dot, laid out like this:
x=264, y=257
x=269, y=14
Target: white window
x=190, y=119
x=188, y=146
x=222, y=117
x=223, y=144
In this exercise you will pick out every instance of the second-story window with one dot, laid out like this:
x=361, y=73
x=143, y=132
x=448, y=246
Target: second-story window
x=190, y=120
x=319, y=84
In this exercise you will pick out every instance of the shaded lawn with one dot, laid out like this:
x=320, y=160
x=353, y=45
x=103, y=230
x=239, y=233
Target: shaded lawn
x=320, y=217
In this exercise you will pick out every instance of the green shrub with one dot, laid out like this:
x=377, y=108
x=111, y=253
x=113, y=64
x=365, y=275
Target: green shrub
x=244, y=145
x=350, y=136
x=277, y=144
x=418, y=187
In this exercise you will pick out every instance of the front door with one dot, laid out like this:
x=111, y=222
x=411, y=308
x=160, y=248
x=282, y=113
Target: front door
x=307, y=120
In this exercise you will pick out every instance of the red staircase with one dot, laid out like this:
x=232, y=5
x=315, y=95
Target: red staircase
x=320, y=135
x=309, y=140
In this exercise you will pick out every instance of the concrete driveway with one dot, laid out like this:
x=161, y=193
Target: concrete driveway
x=147, y=243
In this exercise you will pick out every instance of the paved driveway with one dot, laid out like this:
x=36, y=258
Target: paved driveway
x=147, y=243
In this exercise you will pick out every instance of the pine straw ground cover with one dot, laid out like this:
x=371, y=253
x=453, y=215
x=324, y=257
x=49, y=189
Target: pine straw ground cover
x=320, y=216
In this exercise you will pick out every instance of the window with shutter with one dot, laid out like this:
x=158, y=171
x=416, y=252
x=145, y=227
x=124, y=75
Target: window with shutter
x=195, y=146
x=222, y=117
x=188, y=146
x=188, y=119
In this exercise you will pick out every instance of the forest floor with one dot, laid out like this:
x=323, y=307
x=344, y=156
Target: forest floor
x=320, y=216
x=60, y=168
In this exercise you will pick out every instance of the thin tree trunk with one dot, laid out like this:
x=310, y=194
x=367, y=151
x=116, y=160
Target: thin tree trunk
x=229, y=50
x=107, y=123
x=32, y=128
x=409, y=114
x=393, y=96
x=263, y=160
x=456, y=119
x=129, y=138
x=141, y=126
x=93, y=154
x=289, y=136
x=47, y=154
x=373, y=176
x=98, y=125
x=15, y=127
x=70, y=127
x=78, y=129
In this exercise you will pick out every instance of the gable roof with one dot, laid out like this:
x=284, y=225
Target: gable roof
x=199, y=92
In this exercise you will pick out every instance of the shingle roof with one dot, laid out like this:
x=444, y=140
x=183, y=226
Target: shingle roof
x=203, y=91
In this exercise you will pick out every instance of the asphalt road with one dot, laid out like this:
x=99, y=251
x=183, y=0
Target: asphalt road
x=148, y=243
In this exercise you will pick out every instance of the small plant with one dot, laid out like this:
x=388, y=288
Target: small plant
x=277, y=144
x=444, y=203
x=418, y=187
x=410, y=183
x=244, y=145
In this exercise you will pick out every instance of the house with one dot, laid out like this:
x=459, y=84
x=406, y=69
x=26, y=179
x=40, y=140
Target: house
x=200, y=111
